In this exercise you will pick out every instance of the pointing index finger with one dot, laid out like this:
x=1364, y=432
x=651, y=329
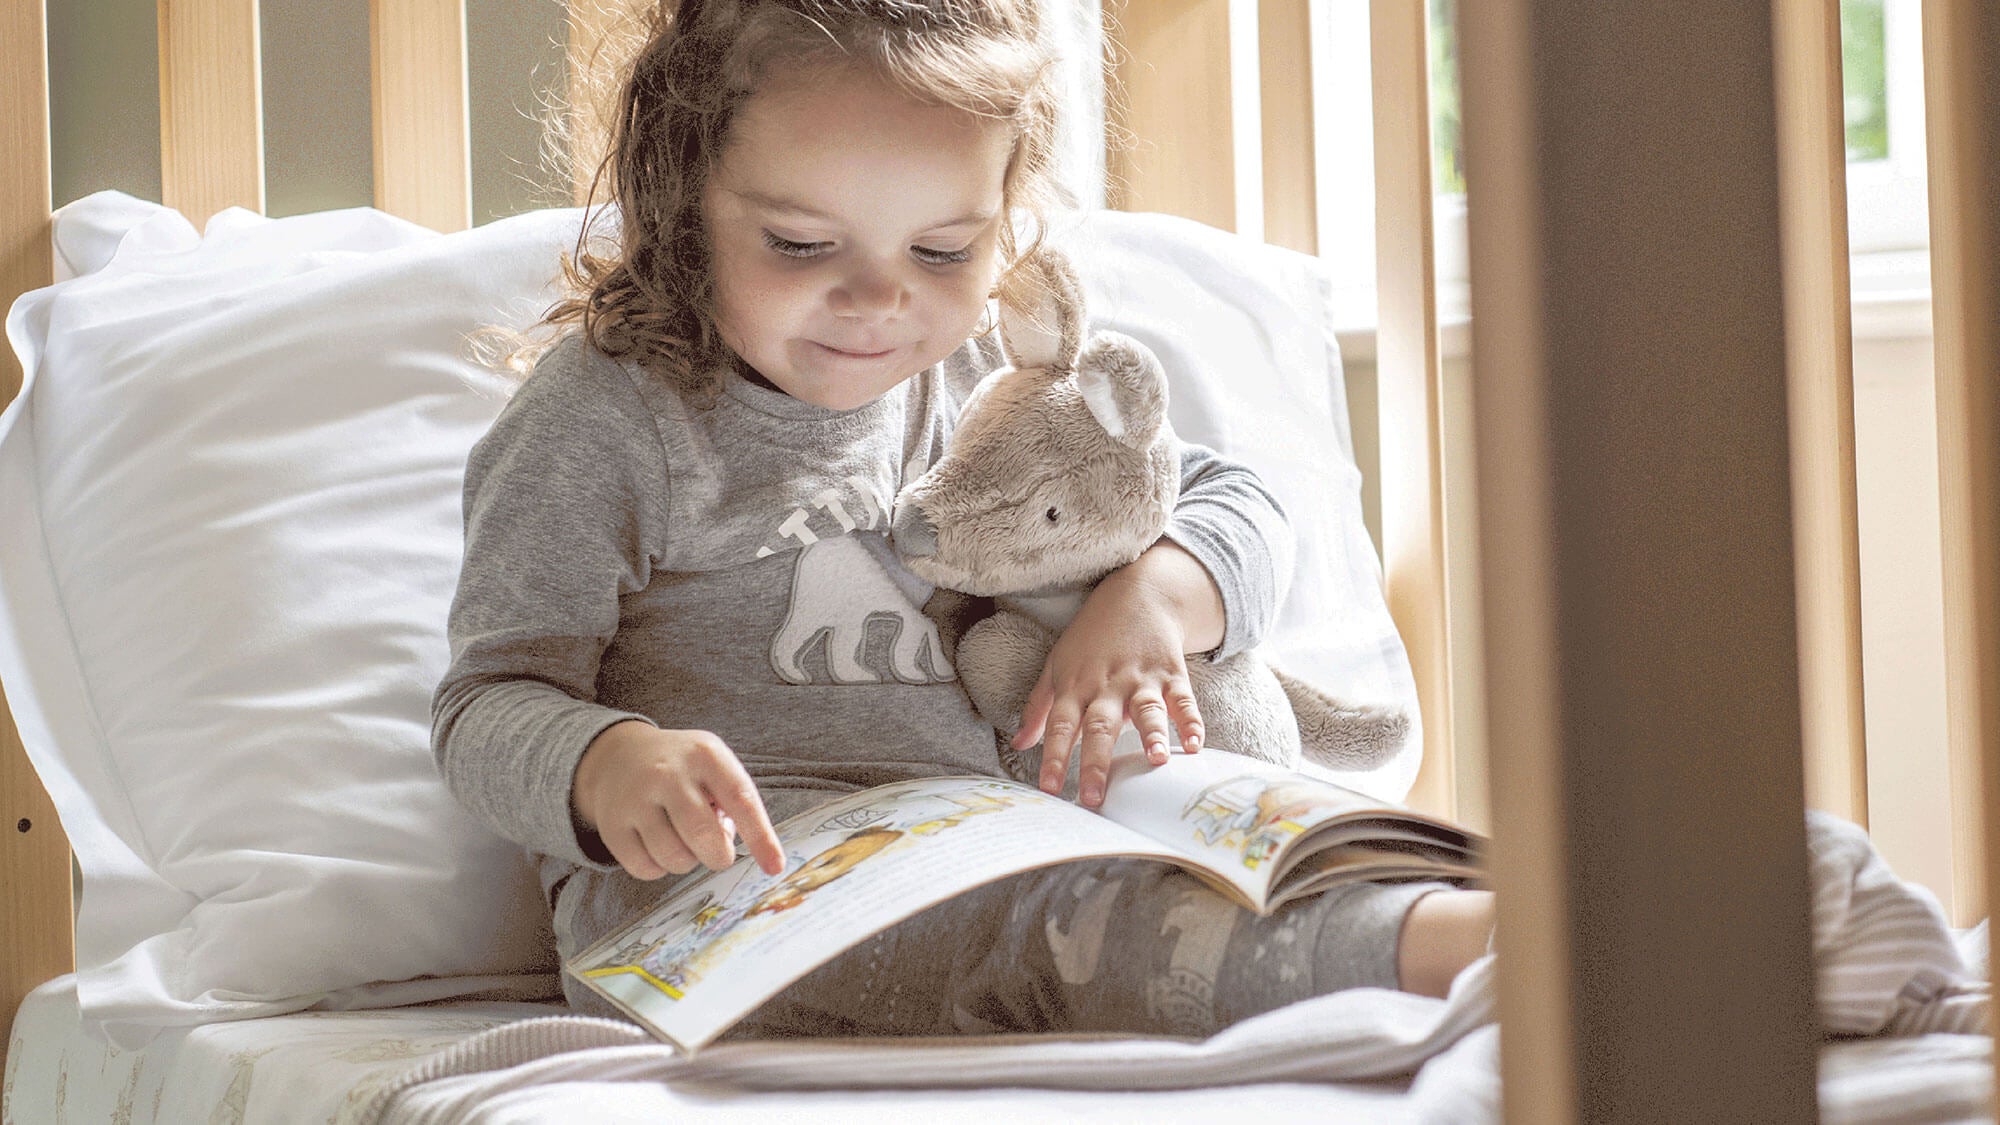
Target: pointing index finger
x=746, y=809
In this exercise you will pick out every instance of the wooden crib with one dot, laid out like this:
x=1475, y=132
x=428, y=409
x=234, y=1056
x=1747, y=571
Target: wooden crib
x=1664, y=422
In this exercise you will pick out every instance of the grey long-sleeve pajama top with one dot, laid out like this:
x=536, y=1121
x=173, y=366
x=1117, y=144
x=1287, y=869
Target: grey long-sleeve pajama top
x=631, y=555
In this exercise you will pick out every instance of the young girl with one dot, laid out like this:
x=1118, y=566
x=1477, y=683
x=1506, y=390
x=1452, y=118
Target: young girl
x=678, y=608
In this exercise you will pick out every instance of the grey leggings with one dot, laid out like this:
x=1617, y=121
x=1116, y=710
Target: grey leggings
x=1115, y=945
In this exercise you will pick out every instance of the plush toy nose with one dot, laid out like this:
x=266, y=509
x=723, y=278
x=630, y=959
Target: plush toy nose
x=914, y=536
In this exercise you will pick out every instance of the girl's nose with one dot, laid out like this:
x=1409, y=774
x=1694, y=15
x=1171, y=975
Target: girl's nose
x=870, y=295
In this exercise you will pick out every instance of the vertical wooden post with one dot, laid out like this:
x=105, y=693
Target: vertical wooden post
x=1962, y=99
x=211, y=107
x=1284, y=39
x=1169, y=96
x=36, y=934
x=1638, y=583
x=1812, y=165
x=1409, y=375
x=423, y=151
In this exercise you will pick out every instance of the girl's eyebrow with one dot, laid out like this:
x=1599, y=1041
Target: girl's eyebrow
x=780, y=203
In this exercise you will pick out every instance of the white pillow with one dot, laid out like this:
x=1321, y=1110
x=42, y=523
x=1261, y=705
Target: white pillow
x=230, y=490
x=1245, y=332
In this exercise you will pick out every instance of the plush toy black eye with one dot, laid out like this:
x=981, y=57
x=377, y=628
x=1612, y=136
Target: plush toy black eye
x=1052, y=515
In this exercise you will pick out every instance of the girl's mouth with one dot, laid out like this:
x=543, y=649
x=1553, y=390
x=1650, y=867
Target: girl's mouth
x=858, y=354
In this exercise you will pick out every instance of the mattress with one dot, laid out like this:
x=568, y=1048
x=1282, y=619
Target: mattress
x=502, y=1063
x=333, y=1067
x=307, y=1066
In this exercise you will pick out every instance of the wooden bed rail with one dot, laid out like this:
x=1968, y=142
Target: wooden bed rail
x=36, y=936
x=1962, y=99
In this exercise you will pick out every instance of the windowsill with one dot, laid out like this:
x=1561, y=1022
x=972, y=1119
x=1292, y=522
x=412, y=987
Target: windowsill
x=1891, y=291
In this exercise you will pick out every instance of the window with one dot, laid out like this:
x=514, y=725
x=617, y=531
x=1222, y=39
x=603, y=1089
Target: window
x=1881, y=48
x=1882, y=68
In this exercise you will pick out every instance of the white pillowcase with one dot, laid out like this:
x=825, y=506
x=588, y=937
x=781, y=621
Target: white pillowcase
x=231, y=494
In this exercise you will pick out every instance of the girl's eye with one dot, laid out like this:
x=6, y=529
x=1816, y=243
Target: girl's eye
x=792, y=249
x=941, y=257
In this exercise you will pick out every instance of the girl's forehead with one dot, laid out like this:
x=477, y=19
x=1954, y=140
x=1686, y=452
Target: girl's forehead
x=819, y=138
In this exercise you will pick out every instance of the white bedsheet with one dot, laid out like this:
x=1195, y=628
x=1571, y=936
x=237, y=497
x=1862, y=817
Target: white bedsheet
x=307, y=1066
x=491, y=1063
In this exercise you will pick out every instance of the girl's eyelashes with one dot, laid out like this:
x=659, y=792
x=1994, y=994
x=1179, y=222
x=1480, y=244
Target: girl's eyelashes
x=925, y=254
x=792, y=249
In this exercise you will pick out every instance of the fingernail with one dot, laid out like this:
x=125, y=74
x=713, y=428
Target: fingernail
x=1092, y=795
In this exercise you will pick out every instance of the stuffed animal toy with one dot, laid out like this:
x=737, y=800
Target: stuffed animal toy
x=1062, y=469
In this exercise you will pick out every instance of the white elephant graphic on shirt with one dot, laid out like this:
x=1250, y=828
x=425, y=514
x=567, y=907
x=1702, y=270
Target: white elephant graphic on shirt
x=838, y=588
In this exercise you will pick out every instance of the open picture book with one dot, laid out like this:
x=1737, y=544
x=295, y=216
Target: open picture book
x=721, y=943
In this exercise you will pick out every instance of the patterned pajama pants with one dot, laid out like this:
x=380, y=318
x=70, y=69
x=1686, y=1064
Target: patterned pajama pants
x=1116, y=945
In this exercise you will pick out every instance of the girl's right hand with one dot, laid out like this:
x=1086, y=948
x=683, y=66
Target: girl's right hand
x=657, y=797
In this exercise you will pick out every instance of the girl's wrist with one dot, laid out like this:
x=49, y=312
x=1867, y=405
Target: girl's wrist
x=1169, y=576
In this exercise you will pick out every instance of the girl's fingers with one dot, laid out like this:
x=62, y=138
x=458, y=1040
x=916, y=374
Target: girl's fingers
x=736, y=795
x=1057, y=740
x=629, y=849
x=1151, y=719
x=1187, y=715
x=1101, y=724
x=699, y=828
x=1035, y=713
x=664, y=845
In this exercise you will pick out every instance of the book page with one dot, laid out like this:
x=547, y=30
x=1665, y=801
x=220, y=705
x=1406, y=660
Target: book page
x=1234, y=814
x=722, y=943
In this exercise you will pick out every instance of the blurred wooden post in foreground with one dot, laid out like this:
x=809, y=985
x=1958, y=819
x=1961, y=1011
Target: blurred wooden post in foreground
x=1637, y=573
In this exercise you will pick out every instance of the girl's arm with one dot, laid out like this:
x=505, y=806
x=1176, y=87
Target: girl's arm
x=563, y=513
x=1211, y=586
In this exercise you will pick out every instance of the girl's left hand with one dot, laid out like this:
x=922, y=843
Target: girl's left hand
x=1121, y=659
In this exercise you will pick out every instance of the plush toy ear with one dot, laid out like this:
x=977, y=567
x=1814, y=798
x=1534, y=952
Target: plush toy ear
x=1124, y=387
x=1041, y=312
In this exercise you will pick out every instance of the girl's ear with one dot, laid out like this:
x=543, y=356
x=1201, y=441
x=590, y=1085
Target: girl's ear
x=1041, y=312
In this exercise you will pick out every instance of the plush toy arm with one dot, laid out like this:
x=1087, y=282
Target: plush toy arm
x=999, y=660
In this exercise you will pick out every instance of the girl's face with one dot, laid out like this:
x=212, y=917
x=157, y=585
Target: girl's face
x=854, y=232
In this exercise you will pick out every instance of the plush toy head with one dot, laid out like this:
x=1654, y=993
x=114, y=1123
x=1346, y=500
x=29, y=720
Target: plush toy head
x=1062, y=467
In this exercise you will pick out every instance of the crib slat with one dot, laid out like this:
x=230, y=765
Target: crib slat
x=1637, y=575
x=423, y=156
x=1171, y=97
x=1812, y=164
x=1410, y=380
x=589, y=21
x=1962, y=100
x=1284, y=47
x=35, y=910
x=211, y=107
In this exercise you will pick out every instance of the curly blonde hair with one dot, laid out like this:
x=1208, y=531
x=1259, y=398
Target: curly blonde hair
x=647, y=291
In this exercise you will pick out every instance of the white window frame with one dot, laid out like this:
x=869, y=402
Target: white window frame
x=1888, y=214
